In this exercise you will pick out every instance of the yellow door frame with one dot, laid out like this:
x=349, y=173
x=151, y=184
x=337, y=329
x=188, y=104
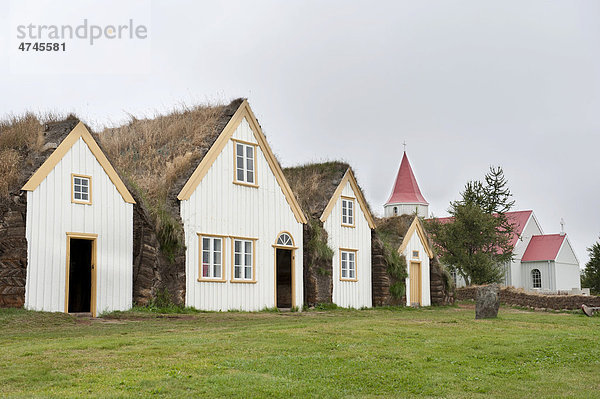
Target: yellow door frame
x=293, y=249
x=93, y=238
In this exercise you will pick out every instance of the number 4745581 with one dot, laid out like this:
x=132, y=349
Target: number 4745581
x=24, y=46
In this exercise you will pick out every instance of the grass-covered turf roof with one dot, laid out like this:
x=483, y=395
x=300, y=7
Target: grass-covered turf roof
x=25, y=143
x=314, y=184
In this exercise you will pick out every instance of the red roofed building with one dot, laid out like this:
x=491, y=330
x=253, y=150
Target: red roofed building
x=544, y=262
x=406, y=197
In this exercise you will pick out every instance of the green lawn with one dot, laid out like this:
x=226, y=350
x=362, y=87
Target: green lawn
x=438, y=352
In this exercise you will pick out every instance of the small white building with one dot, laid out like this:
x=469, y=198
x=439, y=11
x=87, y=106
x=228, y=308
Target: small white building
x=243, y=225
x=549, y=264
x=341, y=222
x=79, y=230
x=348, y=223
x=417, y=251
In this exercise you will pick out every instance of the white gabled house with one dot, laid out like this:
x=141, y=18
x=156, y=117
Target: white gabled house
x=417, y=251
x=243, y=225
x=79, y=229
x=348, y=222
x=334, y=202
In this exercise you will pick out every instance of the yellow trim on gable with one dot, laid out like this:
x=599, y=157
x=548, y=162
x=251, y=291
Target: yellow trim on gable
x=349, y=177
x=242, y=112
x=417, y=226
x=80, y=131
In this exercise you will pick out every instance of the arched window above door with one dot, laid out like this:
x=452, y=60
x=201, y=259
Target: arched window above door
x=285, y=240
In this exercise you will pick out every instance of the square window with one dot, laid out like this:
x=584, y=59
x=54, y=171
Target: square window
x=81, y=189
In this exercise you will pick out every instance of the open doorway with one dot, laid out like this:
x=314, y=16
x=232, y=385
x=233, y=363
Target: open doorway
x=80, y=275
x=284, y=277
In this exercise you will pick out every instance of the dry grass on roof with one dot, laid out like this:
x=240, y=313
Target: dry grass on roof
x=314, y=184
x=393, y=229
x=154, y=154
x=22, y=139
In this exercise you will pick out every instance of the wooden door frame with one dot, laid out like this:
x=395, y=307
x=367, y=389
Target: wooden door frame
x=420, y=288
x=293, y=251
x=93, y=238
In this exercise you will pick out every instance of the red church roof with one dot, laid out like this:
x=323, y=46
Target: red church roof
x=406, y=189
x=543, y=247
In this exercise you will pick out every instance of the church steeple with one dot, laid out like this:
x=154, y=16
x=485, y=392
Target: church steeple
x=406, y=197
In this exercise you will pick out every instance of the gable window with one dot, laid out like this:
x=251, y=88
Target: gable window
x=348, y=264
x=211, y=258
x=415, y=254
x=243, y=260
x=245, y=165
x=81, y=189
x=348, y=211
x=536, y=278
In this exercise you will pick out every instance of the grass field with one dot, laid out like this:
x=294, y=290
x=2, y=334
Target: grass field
x=438, y=352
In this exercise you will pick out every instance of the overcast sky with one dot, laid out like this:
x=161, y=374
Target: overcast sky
x=467, y=84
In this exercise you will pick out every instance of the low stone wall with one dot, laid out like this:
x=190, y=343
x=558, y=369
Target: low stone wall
x=520, y=297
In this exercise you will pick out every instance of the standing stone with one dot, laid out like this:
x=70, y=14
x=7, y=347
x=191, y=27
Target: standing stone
x=487, y=302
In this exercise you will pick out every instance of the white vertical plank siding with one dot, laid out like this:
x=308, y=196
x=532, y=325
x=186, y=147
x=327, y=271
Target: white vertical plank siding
x=351, y=294
x=50, y=215
x=415, y=244
x=218, y=206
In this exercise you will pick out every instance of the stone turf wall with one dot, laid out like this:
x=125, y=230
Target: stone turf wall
x=520, y=297
x=13, y=251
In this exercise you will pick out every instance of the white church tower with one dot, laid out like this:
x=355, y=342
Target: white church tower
x=406, y=198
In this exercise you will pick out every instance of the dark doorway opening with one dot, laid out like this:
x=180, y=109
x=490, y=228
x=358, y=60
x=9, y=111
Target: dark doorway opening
x=80, y=275
x=284, y=278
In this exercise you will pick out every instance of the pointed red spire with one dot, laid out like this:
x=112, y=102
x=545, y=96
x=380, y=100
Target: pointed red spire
x=406, y=189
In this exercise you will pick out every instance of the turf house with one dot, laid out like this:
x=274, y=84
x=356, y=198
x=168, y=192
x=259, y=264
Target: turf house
x=337, y=240
x=218, y=227
x=66, y=231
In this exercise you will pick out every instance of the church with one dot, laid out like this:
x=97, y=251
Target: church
x=544, y=263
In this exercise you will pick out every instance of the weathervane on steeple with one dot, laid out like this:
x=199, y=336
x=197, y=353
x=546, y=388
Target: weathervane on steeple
x=562, y=226
x=404, y=144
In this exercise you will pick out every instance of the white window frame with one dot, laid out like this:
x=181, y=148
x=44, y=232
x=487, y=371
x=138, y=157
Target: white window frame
x=348, y=212
x=348, y=267
x=239, y=260
x=211, y=252
x=81, y=186
x=244, y=164
x=537, y=278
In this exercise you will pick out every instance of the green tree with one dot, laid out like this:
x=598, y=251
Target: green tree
x=591, y=275
x=476, y=243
